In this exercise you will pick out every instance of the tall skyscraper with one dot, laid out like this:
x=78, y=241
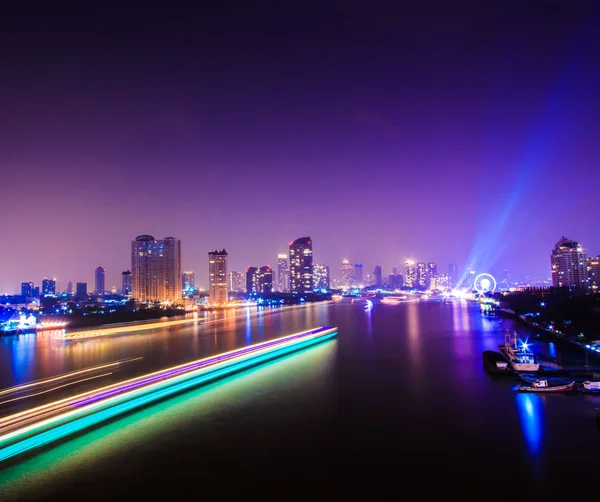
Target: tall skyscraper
x=358, y=275
x=265, y=280
x=432, y=269
x=69, y=288
x=377, y=277
x=453, y=273
x=217, y=276
x=301, y=265
x=252, y=280
x=81, y=290
x=283, y=273
x=236, y=281
x=422, y=276
x=347, y=273
x=126, y=283
x=569, y=264
x=188, y=283
x=156, y=269
x=593, y=270
x=49, y=287
x=99, y=275
x=410, y=277
x=321, y=277
x=27, y=289
x=396, y=281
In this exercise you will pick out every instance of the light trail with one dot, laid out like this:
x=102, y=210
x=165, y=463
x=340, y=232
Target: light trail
x=48, y=423
x=55, y=388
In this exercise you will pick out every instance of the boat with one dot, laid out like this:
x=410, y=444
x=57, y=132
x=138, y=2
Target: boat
x=520, y=358
x=547, y=385
x=495, y=362
x=589, y=387
x=391, y=300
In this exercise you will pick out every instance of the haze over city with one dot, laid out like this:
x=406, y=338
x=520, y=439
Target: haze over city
x=467, y=137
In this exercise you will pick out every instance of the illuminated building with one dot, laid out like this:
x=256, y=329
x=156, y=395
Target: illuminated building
x=347, y=274
x=358, y=275
x=49, y=287
x=377, y=278
x=321, y=277
x=443, y=281
x=593, y=269
x=422, y=276
x=265, y=280
x=252, y=280
x=410, y=277
x=283, y=273
x=301, y=265
x=236, y=281
x=396, y=281
x=432, y=269
x=217, y=276
x=27, y=289
x=569, y=264
x=126, y=283
x=99, y=275
x=156, y=269
x=69, y=288
x=81, y=290
x=188, y=283
x=452, y=273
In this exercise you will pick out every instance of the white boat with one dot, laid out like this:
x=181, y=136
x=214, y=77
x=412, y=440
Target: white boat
x=547, y=386
x=520, y=358
x=591, y=387
x=391, y=300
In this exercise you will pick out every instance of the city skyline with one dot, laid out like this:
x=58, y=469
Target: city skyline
x=494, y=122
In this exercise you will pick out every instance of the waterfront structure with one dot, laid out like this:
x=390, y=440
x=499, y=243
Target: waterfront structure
x=99, y=276
x=358, y=275
x=49, y=287
x=410, y=277
x=81, y=290
x=422, y=275
x=321, y=277
x=27, y=289
x=301, y=265
x=568, y=264
x=188, y=283
x=283, y=273
x=377, y=277
x=236, y=281
x=156, y=269
x=217, y=276
x=265, y=280
x=252, y=280
x=347, y=273
x=126, y=283
x=593, y=271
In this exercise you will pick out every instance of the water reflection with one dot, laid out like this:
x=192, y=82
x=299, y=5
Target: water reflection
x=531, y=415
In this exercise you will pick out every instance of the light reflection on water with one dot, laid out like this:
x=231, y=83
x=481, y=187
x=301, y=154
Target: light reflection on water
x=531, y=415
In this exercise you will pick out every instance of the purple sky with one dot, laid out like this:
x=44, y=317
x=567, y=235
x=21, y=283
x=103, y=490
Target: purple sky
x=449, y=132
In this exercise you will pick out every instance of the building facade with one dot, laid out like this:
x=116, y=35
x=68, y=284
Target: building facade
x=126, y=283
x=236, y=281
x=156, y=269
x=410, y=275
x=422, y=276
x=593, y=272
x=301, y=265
x=27, y=289
x=81, y=290
x=252, y=280
x=321, y=277
x=358, y=275
x=377, y=277
x=265, y=280
x=568, y=264
x=283, y=273
x=217, y=277
x=49, y=287
x=99, y=282
x=347, y=274
x=188, y=283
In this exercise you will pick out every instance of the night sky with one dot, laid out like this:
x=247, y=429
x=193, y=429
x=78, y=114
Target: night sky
x=445, y=131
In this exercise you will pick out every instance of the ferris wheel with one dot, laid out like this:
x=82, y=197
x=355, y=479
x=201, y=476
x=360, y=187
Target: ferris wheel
x=485, y=283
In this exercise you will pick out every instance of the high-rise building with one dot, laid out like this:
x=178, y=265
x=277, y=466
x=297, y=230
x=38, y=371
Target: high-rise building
x=301, y=265
x=432, y=269
x=283, y=273
x=265, y=280
x=347, y=273
x=569, y=264
x=252, y=280
x=410, y=277
x=453, y=273
x=396, y=281
x=422, y=275
x=593, y=270
x=81, y=290
x=442, y=281
x=27, y=289
x=99, y=275
x=69, y=288
x=321, y=277
x=236, y=281
x=188, y=283
x=49, y=287
x=358, y=275
x=126, y=283
x=217, y=276
x=156, y=269
x=377, y=277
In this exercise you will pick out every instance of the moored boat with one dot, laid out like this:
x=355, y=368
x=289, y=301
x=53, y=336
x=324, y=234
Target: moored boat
x=589, y=387
x=520, y=358
x=547, y=385
x=495, y=362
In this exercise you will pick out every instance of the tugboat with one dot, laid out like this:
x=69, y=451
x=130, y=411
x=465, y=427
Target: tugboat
x=520, y=358
x=558, y=385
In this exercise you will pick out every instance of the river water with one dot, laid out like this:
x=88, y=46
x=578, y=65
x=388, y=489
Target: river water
x=397, y=406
